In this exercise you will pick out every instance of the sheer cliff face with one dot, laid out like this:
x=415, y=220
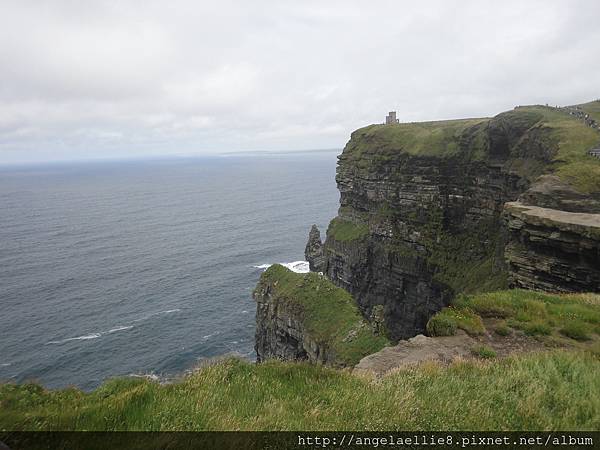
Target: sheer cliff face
x=421, y=212
x=415, y=210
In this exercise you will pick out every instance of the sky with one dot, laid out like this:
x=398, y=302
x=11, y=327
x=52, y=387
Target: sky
x=125, y=79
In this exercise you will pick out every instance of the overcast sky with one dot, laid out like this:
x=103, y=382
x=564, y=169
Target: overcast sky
x=103, y=79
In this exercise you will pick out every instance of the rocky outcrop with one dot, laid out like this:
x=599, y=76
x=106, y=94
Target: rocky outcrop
x=417, y=350
x=459, y=346
x=313, y=253
x=553, y=250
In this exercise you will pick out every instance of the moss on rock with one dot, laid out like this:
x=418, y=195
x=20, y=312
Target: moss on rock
x=344, y=230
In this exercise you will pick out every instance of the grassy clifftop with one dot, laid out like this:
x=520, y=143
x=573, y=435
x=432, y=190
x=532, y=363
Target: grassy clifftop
x=440, y=138
x=562, y=139
x=328, y=313
x=536, y=392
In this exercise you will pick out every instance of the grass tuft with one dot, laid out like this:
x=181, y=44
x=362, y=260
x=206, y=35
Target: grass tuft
x=448, y=320
x=484, y=352
x=502, y=330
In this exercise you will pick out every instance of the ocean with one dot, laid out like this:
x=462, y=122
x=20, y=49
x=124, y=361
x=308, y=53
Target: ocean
x=146, y=267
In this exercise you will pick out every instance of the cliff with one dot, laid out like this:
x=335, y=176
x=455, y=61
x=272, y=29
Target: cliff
x=306, y=317
x=422, y=212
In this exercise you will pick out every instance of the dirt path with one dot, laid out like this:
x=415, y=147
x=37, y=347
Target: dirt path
x=446, y=349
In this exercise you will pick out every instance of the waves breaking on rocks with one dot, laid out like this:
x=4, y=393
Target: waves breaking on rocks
x=296, y=266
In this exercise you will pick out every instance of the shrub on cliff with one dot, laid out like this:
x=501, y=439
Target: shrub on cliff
x=447, y=321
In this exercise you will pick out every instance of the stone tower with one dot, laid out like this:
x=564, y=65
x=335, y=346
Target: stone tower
x=391, y=118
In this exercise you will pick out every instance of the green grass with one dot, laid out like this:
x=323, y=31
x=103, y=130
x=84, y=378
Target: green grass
x=328, y=313
x=344, y=230
x=575, y=316
x=533, y=392
x=534, y=328
x=569, y=138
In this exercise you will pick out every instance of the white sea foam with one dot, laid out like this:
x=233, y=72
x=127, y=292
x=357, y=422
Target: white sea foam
x=158, y=313
x=120, y=328
x=78, y=338
x=149, y=376
x=87, y=337
x=296, y=266
x=5, y=364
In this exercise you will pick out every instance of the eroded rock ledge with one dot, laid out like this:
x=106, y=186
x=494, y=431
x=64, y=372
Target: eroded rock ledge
x=552, y=250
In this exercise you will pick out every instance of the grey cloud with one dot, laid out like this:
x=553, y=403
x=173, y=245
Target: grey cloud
x=118, y=79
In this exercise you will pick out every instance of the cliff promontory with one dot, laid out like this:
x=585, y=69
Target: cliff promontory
x=306, y=317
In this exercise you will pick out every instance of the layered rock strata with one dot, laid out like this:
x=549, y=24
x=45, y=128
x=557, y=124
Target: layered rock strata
x=552, y=250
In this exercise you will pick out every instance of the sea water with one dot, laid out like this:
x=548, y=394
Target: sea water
x=146, y=267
